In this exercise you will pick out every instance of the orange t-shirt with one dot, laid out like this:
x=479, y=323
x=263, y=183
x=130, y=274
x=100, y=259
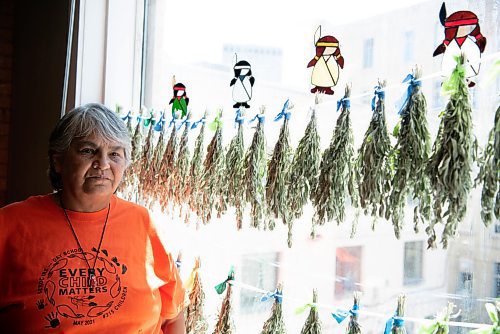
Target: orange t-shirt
x=44, y=286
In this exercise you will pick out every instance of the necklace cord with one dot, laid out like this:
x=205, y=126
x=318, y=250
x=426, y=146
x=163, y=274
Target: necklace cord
x=78, y=241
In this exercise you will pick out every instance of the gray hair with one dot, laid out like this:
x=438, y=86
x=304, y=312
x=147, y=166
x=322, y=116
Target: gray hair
x=89, y=119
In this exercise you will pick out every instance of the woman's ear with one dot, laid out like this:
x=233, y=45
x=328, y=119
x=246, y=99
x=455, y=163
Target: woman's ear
x=56, y=161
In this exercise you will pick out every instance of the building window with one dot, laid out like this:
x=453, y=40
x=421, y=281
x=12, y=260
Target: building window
x=437, y=98
x=368, y=53
x=497, y=228
x=348, y=271
x=408, y=50
x=258, y=271
x=413, y=262
x=464, y=285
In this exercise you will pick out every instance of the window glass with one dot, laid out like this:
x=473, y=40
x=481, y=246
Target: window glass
x=199, y=43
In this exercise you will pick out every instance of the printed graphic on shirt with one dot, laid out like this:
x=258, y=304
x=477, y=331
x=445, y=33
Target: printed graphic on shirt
x=71, y=291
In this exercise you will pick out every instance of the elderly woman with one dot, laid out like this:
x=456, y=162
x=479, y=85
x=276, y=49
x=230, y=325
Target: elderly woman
x=81, y=260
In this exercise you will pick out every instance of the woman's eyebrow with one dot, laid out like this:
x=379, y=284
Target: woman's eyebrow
x=86, y=143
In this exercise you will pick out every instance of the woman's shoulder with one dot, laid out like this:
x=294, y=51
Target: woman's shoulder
x=31, y=203
x=126, y=206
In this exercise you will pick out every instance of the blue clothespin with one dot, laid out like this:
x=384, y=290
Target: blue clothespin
x=344, y=102
x=379, y=93
x=284, y=112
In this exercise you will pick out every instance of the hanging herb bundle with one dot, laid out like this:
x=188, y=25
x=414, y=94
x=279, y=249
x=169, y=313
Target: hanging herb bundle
x=489, y=175
x=129, y=181
x=255, y=174
x=353, y=327
x=396, y=324
x=145, y=176
x=213, y=173
x=304, y=172
x=182, y=165
x=225, y=324
x=412, y=153
x=275, y=324
x=450, y=164
x=337, y=177
x=234, y=190
x=193, y=191
x=440, y=325
x=373, y=167
x=195, y=319
x=165, y=193
x=312, y=324
x=277, y=173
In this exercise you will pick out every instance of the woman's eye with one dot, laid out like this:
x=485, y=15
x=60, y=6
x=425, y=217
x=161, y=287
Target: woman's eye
x=87, y=151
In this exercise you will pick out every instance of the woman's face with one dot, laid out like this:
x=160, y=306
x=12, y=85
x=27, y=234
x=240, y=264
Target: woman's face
x=91, y=166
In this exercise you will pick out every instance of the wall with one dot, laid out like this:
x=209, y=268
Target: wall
x=39, y=53
x=6, y=47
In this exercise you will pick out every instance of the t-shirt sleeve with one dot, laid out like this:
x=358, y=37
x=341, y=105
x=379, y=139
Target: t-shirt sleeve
x=172, y=292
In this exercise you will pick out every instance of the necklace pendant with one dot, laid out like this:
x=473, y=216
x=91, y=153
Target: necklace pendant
x=92, y=281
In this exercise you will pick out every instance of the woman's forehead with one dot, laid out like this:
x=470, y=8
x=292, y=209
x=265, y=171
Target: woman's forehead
x=97, y=141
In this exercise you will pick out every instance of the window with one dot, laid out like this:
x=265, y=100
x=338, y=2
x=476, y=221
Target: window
x=437, y=98
x=409, y=46
x=497, y=228
x=413, y=262
x=256, y=271
x=348, y=271
x=368, y=53
x=464, y=285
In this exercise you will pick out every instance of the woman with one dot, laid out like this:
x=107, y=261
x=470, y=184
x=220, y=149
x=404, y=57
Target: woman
x=81, y=260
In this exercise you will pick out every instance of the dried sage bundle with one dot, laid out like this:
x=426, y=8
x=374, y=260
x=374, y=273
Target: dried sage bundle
x=489, y=175
x=255, y=174
x=304, y=172
x=213, y=173
x=275, y=323
x=313, y=323
x=411, y=155
x=373, y=166
x=225, y=323
x=195, y=318
x=337, y=178
x=234, y=190
x=194, y=191
x=452, y=156
x=277, y=172
x=181, y=169
x=165, y=193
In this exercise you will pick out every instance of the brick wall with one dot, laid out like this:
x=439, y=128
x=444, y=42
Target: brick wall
x=6, y=50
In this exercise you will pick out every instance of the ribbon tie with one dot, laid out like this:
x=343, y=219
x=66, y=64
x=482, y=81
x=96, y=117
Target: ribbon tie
x=195, y=124
x=185, y=121
x=340, y=315
x=172, y=122
x=344, y=102
x=127, y=116
x=301, y=309
x=149, y=120
x=394, y=320
x=278, y=296
x=159, y=125
x=450, y=86
x=283, y=113
x=217, y=122
x=412, y=84
x=260, y=117
x=238, y=119
x=221, y=287
x=178, y=264
x=378, y=93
